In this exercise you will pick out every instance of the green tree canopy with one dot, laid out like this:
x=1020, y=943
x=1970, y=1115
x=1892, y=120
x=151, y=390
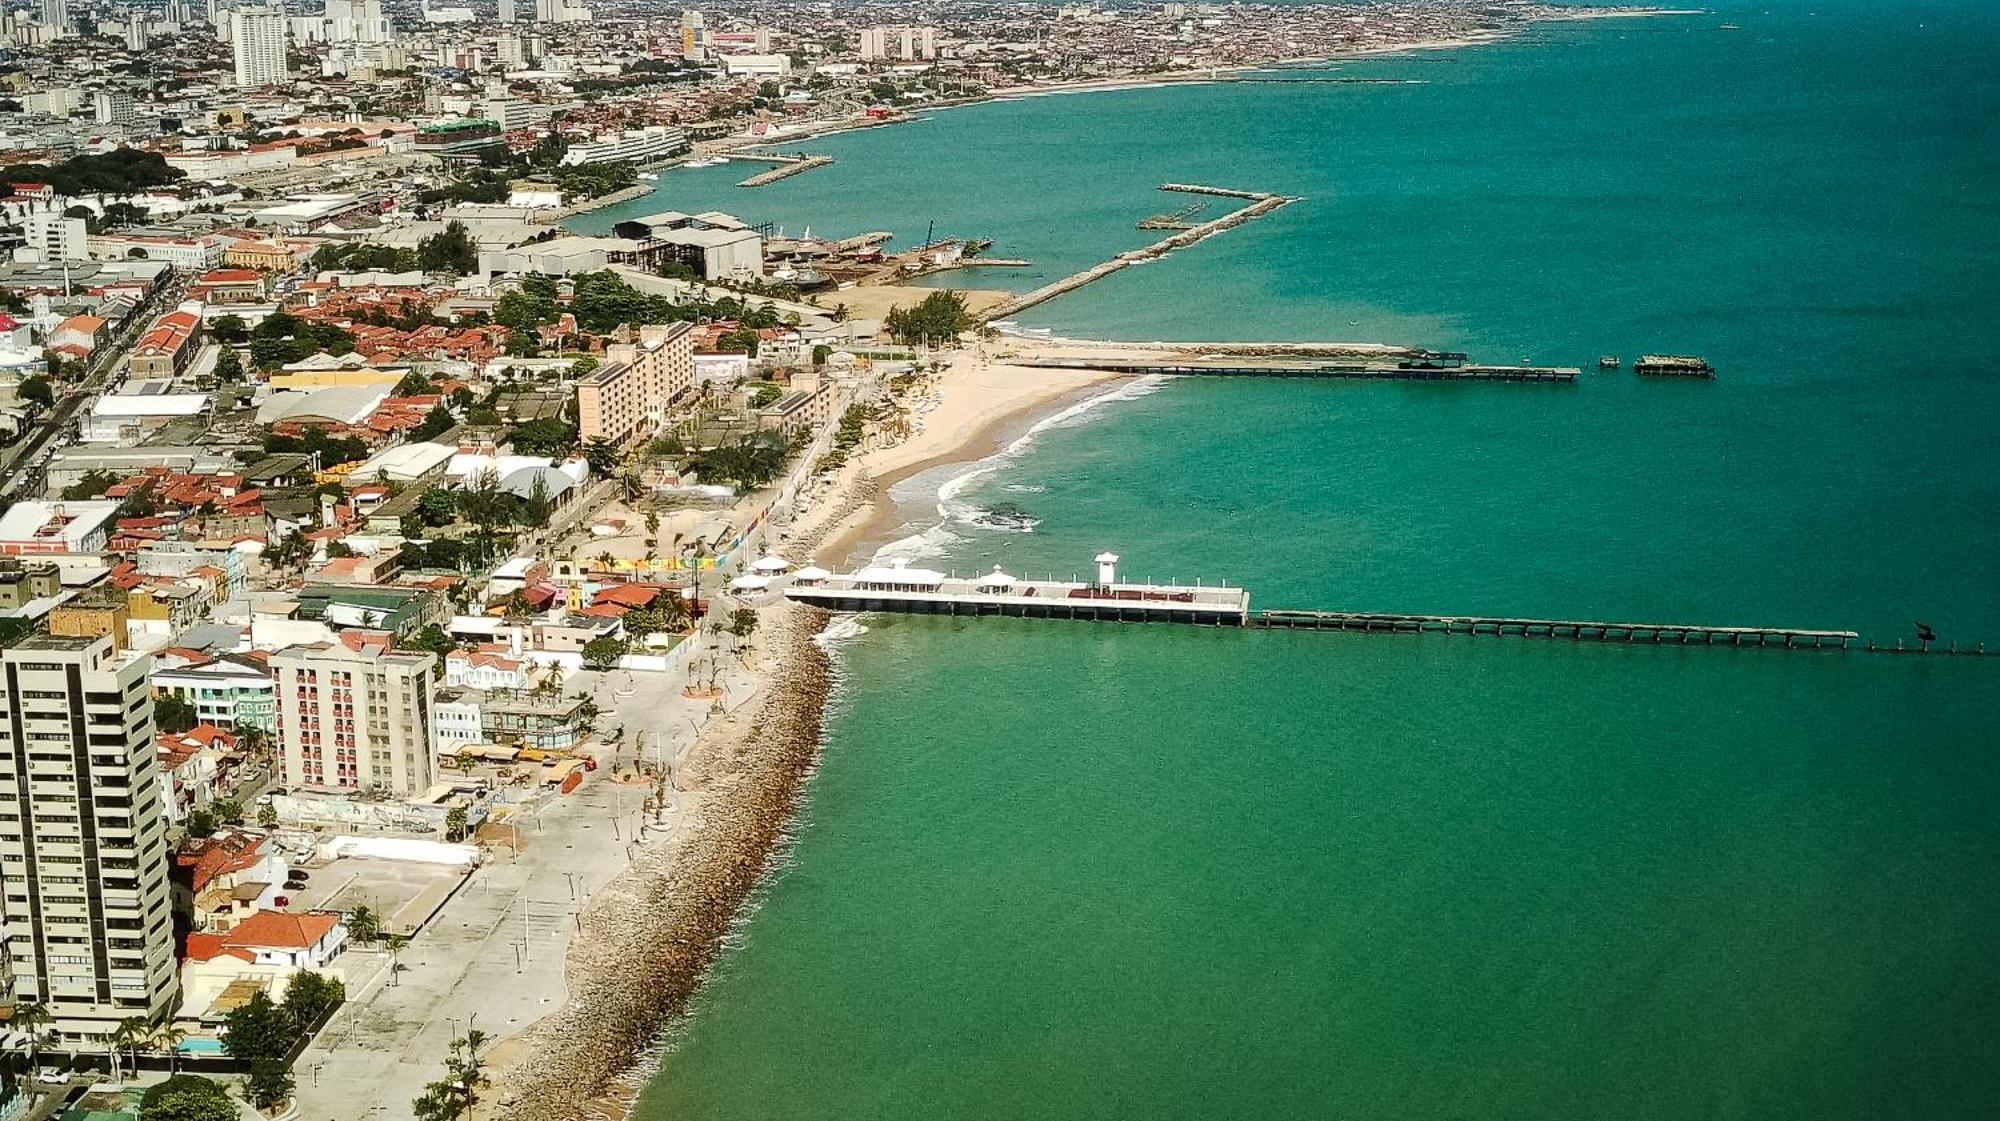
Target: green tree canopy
x=173, y=714
x=229, y=328
x=602, y=654
x=939, y=317
x=310, y=997
x=546, y=436
x=450, y=250
x=187, y=1097
x=258, y=1029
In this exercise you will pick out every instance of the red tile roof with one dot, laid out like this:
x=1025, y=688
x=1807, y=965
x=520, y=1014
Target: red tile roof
x=208, y=947
x=277, y=930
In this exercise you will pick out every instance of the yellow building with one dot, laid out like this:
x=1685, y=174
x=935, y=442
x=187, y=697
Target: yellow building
x=89, y=616
x=266, y=256
x=329, y=379
x=627, y=398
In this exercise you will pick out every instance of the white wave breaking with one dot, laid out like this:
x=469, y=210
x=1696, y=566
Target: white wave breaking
x=954, y=511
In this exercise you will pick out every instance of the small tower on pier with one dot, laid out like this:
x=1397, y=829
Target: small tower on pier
x=1107, y=569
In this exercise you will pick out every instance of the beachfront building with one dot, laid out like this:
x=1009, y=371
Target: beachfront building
x=627, y=398
x=350, y=720
x=654, y=142
x=714, y=245
x=89, y=933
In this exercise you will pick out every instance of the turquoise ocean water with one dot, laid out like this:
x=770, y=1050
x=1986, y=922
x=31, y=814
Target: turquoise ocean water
x=1062, y=870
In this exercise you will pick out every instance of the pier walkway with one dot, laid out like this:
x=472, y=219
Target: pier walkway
x=1375, y=371
x=1684, y=634
x=922, y=591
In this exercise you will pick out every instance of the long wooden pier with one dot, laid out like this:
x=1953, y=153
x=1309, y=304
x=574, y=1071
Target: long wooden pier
x=1677, y=634
x=1259, y=203
x=1367, y=371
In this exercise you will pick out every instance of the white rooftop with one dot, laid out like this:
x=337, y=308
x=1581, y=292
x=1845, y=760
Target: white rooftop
x=39, y=523
x=150, y=404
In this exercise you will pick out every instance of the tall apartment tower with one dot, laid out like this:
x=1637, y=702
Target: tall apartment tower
x=83, y=836
x=506, y=11
x=355, y=721
x=874, y=43
x=258, y=33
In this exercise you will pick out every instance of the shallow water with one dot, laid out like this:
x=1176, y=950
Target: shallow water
x=1068, y=870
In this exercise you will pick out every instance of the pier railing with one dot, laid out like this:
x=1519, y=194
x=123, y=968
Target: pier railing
x=1681, y=634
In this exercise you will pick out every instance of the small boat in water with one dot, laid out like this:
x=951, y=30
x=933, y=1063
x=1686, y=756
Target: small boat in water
x=1608, y=362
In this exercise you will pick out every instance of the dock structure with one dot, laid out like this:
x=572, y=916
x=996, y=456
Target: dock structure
x=790, y=166
x=1258, y=203
x=922, y=591
x=901, y=588
x=1366, y=371
x=1673, y=366
x=1679, y=634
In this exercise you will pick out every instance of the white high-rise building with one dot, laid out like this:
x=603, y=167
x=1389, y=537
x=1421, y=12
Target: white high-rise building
x=910, y=44
x=136, y=37
x=694, y=35
x=507, y=49
x=259, y=36
x=55, y=17
x=89, y=931
x=55, y=236
x=506, y=11
x=352, y=721
x=357, y=21
x=115, y=107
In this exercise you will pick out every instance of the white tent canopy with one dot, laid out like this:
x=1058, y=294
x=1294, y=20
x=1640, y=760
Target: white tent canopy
x=750, y=583
x=996, y=579
x=812, y=573
x=771, y=564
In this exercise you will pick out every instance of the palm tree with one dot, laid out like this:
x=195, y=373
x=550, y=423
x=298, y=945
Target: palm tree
x=168, y=1037
x=126, y=1038
x=33, y=1017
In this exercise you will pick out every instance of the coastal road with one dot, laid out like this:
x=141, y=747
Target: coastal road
x=493, y=958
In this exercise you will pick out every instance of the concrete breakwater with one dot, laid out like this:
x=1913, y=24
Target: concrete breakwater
x=1259, y=204
x=792, y=165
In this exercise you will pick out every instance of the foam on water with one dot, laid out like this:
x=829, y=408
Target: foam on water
x=952, y=510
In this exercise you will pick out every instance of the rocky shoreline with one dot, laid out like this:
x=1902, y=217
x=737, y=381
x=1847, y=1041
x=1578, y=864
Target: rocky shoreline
x=649, y=936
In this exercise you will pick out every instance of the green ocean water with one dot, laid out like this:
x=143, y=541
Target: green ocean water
x=1066, y=870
